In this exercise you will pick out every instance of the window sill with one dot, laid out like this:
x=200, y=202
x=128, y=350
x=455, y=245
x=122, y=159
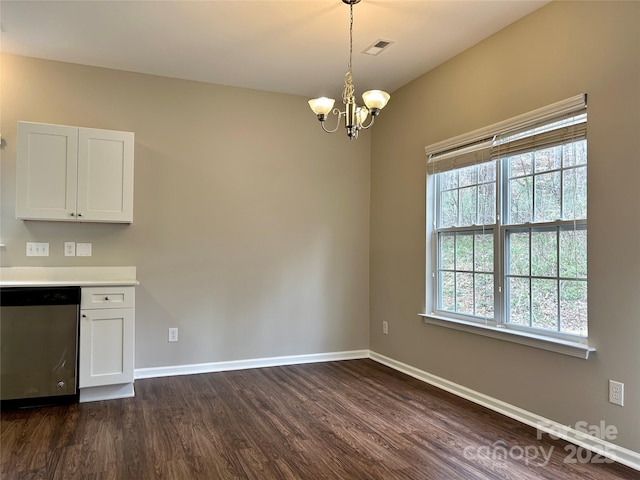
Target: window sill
x=565, y=347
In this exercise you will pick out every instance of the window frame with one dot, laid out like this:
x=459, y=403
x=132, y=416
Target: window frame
x=497, y=327
x=473, y=230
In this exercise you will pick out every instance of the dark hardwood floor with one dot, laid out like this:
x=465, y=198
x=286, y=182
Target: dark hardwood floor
x=340, y=420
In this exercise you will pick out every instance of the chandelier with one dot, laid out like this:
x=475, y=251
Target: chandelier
x=354, y=116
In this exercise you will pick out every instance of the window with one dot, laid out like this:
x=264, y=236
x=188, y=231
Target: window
x=507, y=216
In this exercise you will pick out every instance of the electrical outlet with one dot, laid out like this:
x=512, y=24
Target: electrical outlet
x=385, y=327
x=173, y=334
x=616, y=392
x=69, y=249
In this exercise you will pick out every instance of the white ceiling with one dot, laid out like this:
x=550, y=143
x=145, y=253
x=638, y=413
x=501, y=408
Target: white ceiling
x=297, y=46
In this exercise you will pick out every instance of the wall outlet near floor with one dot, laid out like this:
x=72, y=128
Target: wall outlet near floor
x=385, y=327
x=173, y=334
x=616, y=392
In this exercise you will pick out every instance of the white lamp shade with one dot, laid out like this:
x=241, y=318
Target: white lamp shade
x=361, y=114
x=322, y=105
x=375, y=99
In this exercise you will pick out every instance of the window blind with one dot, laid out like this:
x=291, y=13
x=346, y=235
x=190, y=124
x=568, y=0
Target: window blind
x=463, y=156
x=510, y=136
x=538, y=137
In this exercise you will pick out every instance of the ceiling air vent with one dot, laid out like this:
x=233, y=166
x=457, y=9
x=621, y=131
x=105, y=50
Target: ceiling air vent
x=377, y=47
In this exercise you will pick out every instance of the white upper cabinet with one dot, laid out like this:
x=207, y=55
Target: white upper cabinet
x=46, y=171
x=74, y=174
x=105, y=175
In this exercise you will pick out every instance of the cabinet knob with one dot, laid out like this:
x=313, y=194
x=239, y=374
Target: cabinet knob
x=106, y=298
x=72, y=214
x=84, y=316
x=79, y=214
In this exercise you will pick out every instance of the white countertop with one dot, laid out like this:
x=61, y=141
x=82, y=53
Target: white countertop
x=67, y=276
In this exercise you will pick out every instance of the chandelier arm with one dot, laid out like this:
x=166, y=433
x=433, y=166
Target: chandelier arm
x=338, y=113
x=373, y=119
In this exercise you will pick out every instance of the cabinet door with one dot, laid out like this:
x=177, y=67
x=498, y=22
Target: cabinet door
x=46, y=171
x=105, y=175
x=106, y=346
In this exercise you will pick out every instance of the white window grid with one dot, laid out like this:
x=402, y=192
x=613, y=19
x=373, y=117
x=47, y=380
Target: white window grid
x=501, y=229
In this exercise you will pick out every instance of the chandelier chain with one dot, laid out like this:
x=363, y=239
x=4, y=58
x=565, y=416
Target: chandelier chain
x=350, y=35
x=347, y=93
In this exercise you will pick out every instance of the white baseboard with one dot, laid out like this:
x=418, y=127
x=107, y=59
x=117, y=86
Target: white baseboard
x=249, y=363
x=106, y=392
x=602, y=447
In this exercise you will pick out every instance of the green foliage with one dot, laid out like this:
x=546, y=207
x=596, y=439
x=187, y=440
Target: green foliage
x=466, y=273
x=546, y=266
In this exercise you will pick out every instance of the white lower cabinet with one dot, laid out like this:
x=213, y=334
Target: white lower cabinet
x=107, y=326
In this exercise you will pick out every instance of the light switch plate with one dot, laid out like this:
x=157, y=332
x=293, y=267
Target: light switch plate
x=35, y=249
x=83, y=249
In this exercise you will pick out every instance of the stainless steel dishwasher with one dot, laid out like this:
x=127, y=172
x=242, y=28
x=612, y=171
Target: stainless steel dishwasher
x=39, y=345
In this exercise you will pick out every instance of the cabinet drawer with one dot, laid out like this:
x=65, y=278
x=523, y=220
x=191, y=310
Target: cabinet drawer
x=107, y=297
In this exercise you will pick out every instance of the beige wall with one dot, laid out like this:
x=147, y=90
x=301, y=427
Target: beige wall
x=251, y=226
x=563, y=49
